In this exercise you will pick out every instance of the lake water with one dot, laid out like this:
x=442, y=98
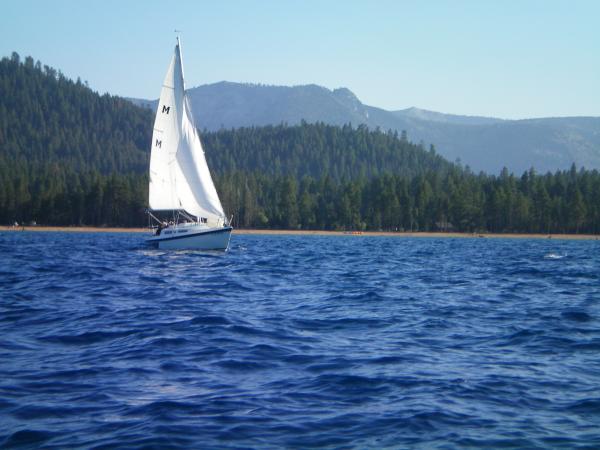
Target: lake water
x=299, y=342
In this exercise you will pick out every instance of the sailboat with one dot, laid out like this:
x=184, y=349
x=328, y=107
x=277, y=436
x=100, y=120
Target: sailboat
x=181, y=186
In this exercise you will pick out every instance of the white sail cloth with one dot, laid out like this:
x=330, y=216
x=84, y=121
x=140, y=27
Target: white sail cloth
x=179, y=175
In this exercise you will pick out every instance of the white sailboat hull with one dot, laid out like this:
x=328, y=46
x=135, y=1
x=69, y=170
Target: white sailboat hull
x=192, y=238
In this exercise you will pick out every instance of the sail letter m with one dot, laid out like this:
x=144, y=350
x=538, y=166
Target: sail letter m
x=158, y=143
x=166, y=109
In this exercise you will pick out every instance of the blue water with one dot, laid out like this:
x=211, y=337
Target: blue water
x=299, y=342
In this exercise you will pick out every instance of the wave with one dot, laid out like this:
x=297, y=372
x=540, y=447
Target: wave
x=298, y=341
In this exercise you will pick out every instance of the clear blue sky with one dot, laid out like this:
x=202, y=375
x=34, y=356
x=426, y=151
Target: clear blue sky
x=511, y=59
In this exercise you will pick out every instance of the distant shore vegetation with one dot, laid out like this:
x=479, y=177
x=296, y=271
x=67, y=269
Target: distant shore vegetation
x=69, y=156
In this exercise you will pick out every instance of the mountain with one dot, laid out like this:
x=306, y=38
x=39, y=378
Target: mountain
x=234, y=105
x=483, y=143
x=432, y=116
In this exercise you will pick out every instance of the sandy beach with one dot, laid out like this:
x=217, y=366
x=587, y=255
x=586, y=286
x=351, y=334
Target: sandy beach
x=320, y=233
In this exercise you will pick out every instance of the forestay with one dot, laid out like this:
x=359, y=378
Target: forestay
x=179, y=175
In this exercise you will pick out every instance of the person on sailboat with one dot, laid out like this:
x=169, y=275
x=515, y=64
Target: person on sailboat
x=161, y=226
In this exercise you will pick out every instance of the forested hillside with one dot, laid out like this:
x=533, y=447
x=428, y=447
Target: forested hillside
x=69, y=156
x=318, y=150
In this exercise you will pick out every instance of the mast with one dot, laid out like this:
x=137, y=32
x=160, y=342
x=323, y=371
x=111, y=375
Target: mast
x=178, y=47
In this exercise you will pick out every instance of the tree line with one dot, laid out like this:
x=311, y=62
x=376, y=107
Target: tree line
x=457, y=200
x=69, y=156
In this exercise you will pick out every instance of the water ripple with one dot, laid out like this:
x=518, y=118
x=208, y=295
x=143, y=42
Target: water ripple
x=299, y=341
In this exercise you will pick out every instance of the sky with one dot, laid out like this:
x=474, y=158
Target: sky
x=505, y=58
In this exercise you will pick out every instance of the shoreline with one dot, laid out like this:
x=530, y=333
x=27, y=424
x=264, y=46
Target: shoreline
x=248, y=231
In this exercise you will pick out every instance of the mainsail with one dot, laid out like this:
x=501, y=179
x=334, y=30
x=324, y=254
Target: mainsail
x=179, y=175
